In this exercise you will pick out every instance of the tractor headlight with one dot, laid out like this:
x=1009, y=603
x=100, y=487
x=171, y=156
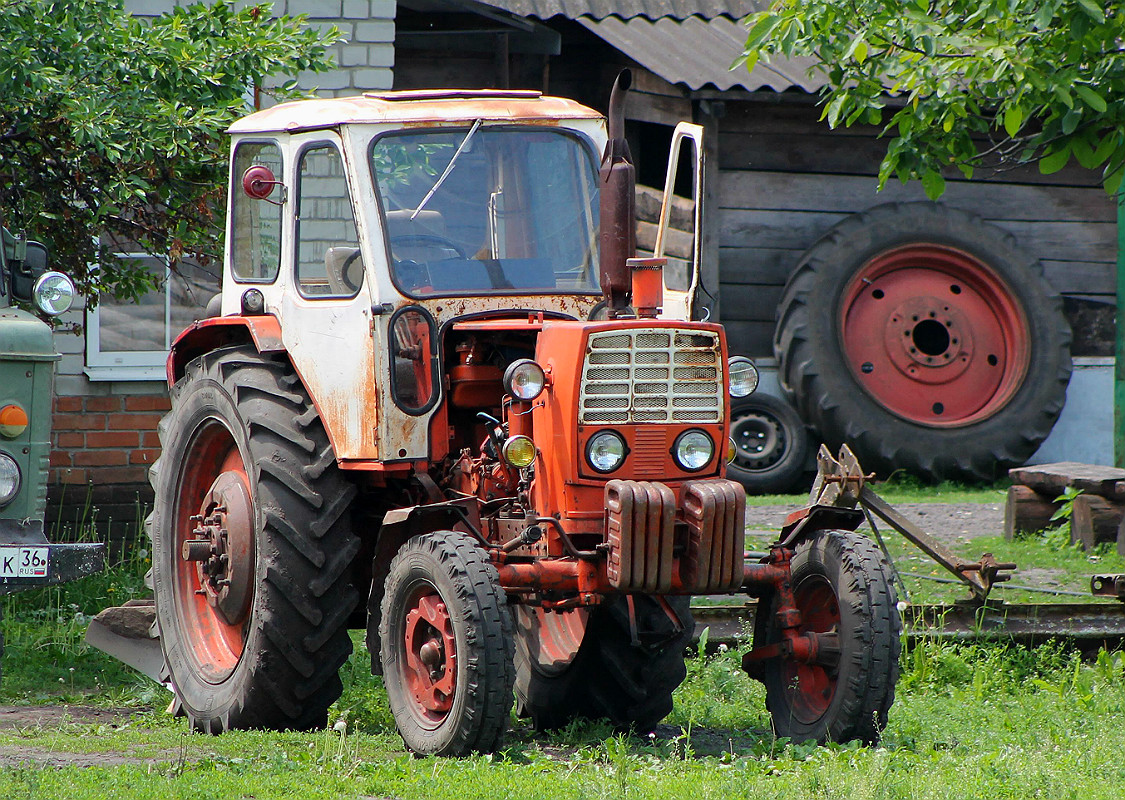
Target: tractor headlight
x=519, y=451
x=524, y=379
x=732, y=449
x=743, y=376
x=13, y=421
x=693, y=450
x=9, y=479
x=606, y=451
x=53, y=293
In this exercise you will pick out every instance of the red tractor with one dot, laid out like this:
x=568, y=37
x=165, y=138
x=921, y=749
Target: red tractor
x=444, y=402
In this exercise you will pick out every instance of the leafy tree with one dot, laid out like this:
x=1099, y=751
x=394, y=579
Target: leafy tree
x=111, y=128
x=968, y=83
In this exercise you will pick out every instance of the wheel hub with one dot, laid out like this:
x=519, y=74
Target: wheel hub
x=812, y=686
x=222, y=547
x=934, y=335
x=759, y=441
x=431, y=655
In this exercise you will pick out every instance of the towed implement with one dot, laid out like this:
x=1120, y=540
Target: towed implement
x=442, y=399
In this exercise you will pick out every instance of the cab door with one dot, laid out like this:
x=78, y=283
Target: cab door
x=679, y=232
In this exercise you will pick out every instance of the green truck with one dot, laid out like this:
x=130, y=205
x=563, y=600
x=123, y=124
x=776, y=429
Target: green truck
x=27, y=363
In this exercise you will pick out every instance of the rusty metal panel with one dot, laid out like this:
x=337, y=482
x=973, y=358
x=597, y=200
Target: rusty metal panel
x=640, y=517
x=715, y=513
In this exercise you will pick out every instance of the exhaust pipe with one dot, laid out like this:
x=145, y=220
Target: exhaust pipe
x=618, y=204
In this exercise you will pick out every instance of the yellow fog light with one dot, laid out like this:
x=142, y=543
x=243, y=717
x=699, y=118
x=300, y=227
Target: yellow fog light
x=13, y=421
x=519, y=451
x=732, y=449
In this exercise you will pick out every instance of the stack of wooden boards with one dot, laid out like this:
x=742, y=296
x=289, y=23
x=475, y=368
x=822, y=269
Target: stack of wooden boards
x=1098, y=514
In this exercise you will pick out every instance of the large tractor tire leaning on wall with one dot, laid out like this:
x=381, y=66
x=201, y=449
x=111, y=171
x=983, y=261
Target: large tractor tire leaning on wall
x=926, y=340
x=615, y=665
x=251, y=547
x=842, y=586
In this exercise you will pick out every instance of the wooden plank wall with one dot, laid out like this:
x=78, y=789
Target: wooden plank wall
x=785, y=179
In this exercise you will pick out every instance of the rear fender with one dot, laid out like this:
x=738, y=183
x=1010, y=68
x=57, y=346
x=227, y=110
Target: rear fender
x=264, y=332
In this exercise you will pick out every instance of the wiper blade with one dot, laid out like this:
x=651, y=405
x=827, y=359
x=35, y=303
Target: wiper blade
x=448, y=169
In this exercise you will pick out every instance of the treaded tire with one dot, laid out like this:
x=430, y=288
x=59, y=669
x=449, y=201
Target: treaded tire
x=829, y=393
x=447, y=574
x=294, y=638
x=844, y=571
x=611, y=676
x=771, y=444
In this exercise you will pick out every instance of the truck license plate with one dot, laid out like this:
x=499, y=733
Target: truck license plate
x=23, y=562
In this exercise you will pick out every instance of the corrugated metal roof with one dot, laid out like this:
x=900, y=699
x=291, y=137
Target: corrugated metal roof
x=629, y=9
x=699, y=53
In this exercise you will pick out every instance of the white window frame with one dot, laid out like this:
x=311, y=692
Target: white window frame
x=128, y=365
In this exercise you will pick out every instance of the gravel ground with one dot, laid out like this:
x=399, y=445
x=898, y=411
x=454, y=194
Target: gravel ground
x=949, y=522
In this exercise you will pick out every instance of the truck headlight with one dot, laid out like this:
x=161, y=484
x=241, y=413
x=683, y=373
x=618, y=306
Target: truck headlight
x=743, y=376
x=53, y=293
x=9, y=479
x=605, y=451
x=524, y=379
x=693, y=450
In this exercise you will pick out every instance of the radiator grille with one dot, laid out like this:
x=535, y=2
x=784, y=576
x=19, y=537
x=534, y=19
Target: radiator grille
x=652, y=376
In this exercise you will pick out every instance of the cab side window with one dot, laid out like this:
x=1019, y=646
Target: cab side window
x=328, y=261
x=256, y=235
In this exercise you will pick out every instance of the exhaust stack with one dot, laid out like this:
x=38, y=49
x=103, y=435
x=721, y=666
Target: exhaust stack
x=618, y=206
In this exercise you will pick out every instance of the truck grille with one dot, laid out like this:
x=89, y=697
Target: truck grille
x=645, y=375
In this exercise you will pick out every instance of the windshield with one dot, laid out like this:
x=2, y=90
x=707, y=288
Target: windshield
x=500, y=211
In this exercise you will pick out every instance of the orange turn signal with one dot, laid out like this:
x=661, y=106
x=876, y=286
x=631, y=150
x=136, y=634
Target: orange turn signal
x=13, y=421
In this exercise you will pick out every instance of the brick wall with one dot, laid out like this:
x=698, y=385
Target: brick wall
x=103, y=446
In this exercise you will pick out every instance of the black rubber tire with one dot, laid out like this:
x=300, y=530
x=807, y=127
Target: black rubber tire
x=771, y=444
x=630, y=683
x=455, y=566
x=869, y=629
x=295, y=635
x=826, y=393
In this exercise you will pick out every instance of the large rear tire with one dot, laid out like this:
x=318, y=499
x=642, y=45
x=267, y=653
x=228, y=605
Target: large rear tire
x=446, y=646
x=251, y=547
x=842, y=584
x=625, y=669
x=926, y=340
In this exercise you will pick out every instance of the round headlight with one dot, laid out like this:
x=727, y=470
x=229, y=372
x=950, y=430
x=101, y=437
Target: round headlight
x=693, y=450
x=524, y=379
x=9, y=479
x=743, y=376
x=605, y=451
x=13, y=421
x=732, y=449
x=519, y=451
x=53, y=293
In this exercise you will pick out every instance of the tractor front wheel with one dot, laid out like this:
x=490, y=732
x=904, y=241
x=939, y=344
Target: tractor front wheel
x=842, y=586
x=446, y=646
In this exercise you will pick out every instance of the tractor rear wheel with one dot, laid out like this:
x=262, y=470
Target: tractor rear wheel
x=627, y=663
x=446, y=646
x=842, y=585
x=251, y=547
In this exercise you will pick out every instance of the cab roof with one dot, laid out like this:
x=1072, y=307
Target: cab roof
x=427, y=105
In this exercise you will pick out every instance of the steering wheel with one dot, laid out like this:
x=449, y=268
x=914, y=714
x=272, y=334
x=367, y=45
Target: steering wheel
x=426, y=240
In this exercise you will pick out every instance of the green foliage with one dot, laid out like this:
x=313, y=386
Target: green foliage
x=113, y=127
x=969, y=84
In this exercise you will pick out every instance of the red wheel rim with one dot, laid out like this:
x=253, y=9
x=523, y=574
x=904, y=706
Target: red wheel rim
x=934, y=335
x=811, y=687
x=430, y=666
x=213, y=551
x=552, y=638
